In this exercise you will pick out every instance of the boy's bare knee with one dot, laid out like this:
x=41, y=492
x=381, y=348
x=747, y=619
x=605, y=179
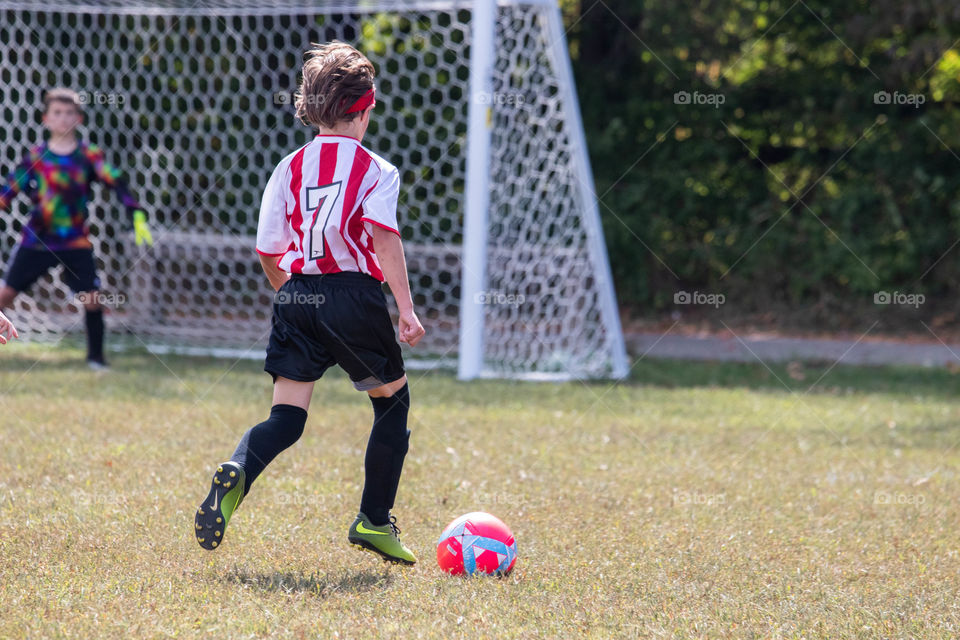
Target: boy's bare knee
x=292, y=392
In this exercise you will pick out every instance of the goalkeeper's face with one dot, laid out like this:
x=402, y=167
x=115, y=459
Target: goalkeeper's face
x=62, y=118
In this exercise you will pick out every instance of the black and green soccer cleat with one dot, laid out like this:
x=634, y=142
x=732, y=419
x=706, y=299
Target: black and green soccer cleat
x=226, y=494
x=383, y=540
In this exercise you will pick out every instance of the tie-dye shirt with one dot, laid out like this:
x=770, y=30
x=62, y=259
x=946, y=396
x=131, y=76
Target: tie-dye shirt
x=59, y=187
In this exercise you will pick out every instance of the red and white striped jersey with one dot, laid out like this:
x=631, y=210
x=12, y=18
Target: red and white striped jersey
x=320, y=206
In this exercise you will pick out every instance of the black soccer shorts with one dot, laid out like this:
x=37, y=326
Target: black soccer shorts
x=337, y=318
x=28, y=265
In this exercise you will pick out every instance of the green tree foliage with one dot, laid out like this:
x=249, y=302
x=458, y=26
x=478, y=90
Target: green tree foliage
x=794, y=179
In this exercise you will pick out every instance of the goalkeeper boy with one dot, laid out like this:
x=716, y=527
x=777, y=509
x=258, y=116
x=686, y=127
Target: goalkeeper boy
x=327, y=238
x=57, y=177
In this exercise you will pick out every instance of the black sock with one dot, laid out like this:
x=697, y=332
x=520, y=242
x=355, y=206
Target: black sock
x=262, y=443
x=389, y=441
x=94, y=321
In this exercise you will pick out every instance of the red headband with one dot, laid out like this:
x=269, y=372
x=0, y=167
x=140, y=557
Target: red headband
x=364, y=101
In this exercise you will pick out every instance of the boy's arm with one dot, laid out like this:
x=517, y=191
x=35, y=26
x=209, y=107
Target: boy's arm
x=274, y=234
x=275, y=274
x=16, y=182
x=389, y=250
x=113, y=178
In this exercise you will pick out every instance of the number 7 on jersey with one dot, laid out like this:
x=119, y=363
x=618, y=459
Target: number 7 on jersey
x=320, y=200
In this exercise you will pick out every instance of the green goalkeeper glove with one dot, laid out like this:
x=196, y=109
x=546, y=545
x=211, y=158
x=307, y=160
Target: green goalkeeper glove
x=141, y=230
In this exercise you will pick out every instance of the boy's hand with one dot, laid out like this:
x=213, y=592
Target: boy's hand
x=7, y=330
x=409, y=328
x=141, y=230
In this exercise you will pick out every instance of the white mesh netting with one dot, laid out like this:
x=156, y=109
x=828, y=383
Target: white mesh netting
x=194, y=102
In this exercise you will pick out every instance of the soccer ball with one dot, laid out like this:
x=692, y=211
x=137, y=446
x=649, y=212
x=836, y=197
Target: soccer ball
x=477, y=543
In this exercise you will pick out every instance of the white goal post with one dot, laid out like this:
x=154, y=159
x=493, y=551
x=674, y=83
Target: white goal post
x=193, y=100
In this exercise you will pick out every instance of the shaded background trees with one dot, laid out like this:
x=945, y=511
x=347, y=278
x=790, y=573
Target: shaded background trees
x=819, y=167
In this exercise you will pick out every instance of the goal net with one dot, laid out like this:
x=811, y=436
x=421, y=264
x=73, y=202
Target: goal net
x=193, y=100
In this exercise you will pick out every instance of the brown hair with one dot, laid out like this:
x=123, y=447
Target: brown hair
x=66, y=96
x=335, y=76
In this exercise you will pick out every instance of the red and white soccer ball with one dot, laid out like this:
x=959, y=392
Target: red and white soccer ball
x=477, y=543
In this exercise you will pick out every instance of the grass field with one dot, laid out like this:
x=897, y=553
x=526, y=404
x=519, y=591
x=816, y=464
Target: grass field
x=697, y=500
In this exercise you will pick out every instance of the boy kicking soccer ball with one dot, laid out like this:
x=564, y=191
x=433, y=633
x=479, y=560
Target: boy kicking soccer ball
x=327, y=238
x=57, y=177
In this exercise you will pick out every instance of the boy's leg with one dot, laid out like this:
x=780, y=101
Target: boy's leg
x=264, y=442
x=374, y=528
x=386, y=450
x=257, y=448
x=93, y=319
x=80, y=274
x=360, y=336
x=295, y=359
x=25, y=268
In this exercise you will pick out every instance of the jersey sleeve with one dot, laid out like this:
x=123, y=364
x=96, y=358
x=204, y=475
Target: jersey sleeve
x=17, y=182
x=111, y=177
x=380, y=207
x=274, y=233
